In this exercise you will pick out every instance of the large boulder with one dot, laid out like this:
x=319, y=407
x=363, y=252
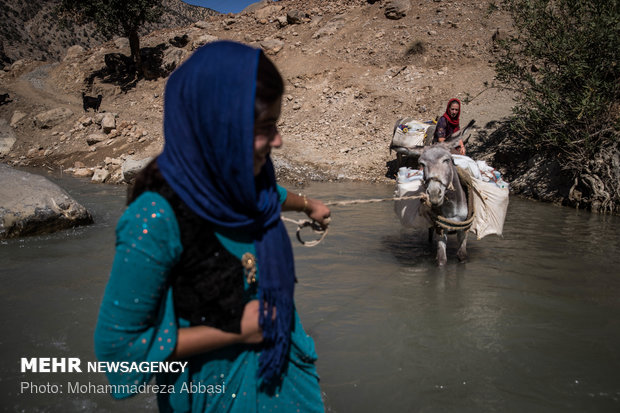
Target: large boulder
x=131, y=167
x=32, y=204
x=267, y=12
x=52, y=117
x=108, y=122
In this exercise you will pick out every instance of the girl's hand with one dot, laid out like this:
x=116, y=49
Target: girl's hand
x=251, y=333
x=318, y=211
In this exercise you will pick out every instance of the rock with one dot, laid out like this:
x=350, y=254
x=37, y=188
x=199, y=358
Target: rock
x=113, y=161
x=296, y=16
x=172, y=58
x=85, y=121
x=272, y=45
x=202, y=40
x=83, y=172
x=52, y=117
x=202, y=25
x=99, y=117
x=16, y=118
x=7, y=138
x=282, y=21
x=121, y=42
x=397, y=9
x=31, y=204
x=100, y=175
x=108, y=122
x=94, y=138
x=131, y=168
x=330, y=28
x=73, y=52
x=267, y=12
x=255, y=6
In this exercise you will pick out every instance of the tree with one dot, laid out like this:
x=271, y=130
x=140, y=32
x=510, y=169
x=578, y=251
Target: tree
x=112, y=17
x=564, y=63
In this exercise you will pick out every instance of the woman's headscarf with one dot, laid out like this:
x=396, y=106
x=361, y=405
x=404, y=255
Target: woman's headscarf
x=453, y=122
x=208, y=161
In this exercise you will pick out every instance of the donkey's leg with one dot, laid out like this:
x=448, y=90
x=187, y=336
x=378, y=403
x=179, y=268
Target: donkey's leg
x=461, y=237
x=442, y=240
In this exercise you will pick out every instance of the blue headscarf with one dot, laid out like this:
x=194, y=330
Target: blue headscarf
x=208, y=161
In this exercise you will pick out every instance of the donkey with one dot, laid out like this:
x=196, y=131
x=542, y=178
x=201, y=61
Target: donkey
x=444, y=191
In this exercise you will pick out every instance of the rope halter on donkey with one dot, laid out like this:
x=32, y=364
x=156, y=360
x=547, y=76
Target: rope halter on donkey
x=442, y=223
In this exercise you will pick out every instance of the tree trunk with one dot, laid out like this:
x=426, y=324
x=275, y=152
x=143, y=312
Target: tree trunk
x=134, y=45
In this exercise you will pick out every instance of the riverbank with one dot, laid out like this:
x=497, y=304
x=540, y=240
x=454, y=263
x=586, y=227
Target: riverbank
x=350, y=73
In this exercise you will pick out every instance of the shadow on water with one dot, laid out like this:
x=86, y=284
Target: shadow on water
x=530, y=322
x=409, y=248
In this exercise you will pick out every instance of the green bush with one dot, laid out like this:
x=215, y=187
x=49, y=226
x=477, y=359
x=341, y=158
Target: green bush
x=564, y=63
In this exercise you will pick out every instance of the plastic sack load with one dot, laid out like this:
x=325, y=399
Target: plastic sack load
x=490, y=174
x=490, y=196
x=468, y=164
x=490, y=210
x=410, y=183
x=409, y=133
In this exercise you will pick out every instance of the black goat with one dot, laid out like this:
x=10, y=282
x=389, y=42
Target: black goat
x=91, y=102
x=4, y=98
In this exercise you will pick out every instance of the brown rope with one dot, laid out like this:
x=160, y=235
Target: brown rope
x=371, y=201
x=451, y=225
x=302, y=223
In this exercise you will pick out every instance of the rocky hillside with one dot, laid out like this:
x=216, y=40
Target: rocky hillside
x=30, y=29
x=352, y=68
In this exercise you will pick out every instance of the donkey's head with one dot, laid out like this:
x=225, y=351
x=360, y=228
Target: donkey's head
x=436, y=162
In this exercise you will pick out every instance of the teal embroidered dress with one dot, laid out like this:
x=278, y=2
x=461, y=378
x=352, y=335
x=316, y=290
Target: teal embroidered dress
x=137, y=323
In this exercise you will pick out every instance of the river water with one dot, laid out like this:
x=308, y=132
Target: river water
x=530, y=323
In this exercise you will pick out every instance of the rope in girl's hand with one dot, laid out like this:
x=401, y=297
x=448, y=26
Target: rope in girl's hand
x=317, y=228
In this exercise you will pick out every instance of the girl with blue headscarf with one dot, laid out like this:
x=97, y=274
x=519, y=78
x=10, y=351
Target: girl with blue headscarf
x=204, y=271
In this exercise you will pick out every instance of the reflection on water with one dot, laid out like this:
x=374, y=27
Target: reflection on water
x=530, y=322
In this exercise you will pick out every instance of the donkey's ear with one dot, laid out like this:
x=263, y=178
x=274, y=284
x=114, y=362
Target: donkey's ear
x=462, y=134
x=413, y=152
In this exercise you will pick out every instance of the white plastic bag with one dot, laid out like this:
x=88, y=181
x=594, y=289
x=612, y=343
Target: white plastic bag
x=409, y=133
x=467, y=163
x=490, y=174
x=490, y=210
x=410, y=183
